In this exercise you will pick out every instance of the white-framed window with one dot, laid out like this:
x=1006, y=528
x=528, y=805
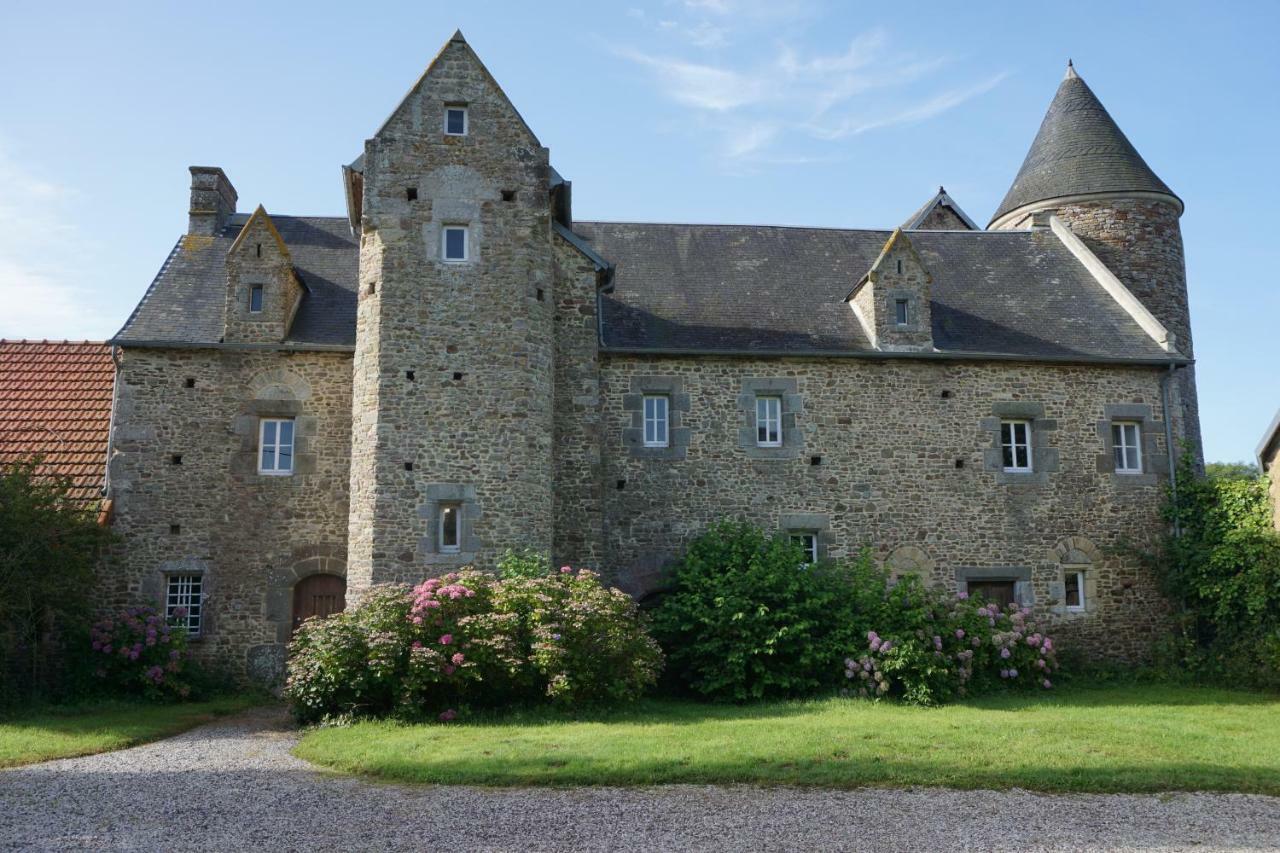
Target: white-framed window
x=275, y=446
x=255, y=299
x=900, y=311
x=1074, y=590
x=455, y=120
x=1015, y=445
x=453, y=243
x=1126, y=442
x=450, y=528
x=657, y=422
x=808, y=542
x=769, y=421
x=184, y=597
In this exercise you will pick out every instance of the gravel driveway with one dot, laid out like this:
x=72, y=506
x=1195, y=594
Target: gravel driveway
x=232, y=785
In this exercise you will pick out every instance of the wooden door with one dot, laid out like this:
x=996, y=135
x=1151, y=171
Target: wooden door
x=318, y=595
x=1000, y=592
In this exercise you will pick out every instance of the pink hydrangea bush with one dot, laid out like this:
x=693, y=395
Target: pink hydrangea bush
x=467, y=639
x=139, y=651
x=952, y=647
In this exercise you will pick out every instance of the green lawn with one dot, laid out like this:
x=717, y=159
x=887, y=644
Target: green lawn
x=53, y=732
x=1142, y=738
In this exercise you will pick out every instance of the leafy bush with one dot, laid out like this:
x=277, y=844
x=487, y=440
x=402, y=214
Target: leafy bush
x=745, y=619
x=936, y=648
x=468, y=639
x=1221, y=567
x=49, y=545
x=527, y=563
x=139, y=652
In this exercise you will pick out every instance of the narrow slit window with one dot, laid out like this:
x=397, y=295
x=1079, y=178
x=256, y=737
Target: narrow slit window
x=455, y=121
x=769, y=421
x=450, y=528
x=1015, y=444
x=454, y=241
x=1074, y=586
x=900, y=311
x=657, y=432
x=255, y=299
x=183, y=602
x=275, y=446
x=808, y=542
x=1127, y=446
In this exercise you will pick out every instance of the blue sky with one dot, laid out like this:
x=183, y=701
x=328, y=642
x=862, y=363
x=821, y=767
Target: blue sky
x=844, y=114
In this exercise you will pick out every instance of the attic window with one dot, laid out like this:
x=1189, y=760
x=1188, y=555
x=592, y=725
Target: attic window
x=259, y=250
x=255, y=299
x=900, y=310
x=899, y=266
x=455, y=121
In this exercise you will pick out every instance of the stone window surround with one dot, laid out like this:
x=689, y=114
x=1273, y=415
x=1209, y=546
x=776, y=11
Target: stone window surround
x=464, y=496
x=1044, y=459
x=244, y=462
x=891, y=297
x=1154, y=463
x=1023, y=592
x=453, y=212
x=1075, y=554
x=819, y=524
x=792, y=405
x=155, y=587
x=678, y=435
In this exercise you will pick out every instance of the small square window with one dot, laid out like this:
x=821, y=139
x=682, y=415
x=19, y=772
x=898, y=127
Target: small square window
x=1126, y=444
x=900, y=311
x=657, y=430
x=455, y=121
x=808, y=542
x=275, y=446
x=183, y=601
x=450, y=528
x=1015, y=445
x=454, y=243
x=1074, y=585
x=769, y=421
x=255, y=299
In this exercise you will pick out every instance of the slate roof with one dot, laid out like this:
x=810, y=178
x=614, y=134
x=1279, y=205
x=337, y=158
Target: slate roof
x=712, y=288
x=187, y=299
x=940, y=198
x=1079, y=150
x=777, y=290
x=55, y=402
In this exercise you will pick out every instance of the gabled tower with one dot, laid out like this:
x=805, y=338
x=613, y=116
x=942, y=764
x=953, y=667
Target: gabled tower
x=451, y=457
x=1083, y=169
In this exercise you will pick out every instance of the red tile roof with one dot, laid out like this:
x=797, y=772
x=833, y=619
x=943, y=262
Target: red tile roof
x=55, y=401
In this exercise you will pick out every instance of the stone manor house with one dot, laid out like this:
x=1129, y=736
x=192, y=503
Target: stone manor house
x=306, y=406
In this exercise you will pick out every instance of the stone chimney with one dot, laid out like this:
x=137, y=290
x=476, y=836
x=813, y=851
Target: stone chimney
x=213, y=200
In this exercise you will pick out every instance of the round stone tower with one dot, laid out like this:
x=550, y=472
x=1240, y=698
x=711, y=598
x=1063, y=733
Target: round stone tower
x=1083, y=169
x=451, y=457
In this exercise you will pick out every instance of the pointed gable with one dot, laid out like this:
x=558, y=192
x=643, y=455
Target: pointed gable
x=263, y=291
x=1079, y=151
x=893, y=300
x=940, y=213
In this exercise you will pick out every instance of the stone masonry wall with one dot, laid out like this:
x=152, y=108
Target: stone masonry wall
x=251, y=536
x=453, y=366
x=895, y=457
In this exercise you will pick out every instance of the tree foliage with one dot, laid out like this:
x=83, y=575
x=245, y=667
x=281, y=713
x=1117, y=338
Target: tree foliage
x=49, y=546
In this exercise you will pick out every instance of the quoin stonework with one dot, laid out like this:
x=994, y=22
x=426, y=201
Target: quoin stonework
x=308, y=406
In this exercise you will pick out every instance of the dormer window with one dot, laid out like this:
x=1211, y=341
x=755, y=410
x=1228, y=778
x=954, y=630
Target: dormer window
x=454, y=243
x=900, y=307
x=455, y=121
x=899, y=266
x=255, y=299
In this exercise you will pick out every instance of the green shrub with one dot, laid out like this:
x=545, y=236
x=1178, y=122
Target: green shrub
x=745, y=619
x=1221, y=568
x=467, y=639
x=526, y=563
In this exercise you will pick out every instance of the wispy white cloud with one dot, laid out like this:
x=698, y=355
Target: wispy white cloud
x=744, y=102
x=40, y=276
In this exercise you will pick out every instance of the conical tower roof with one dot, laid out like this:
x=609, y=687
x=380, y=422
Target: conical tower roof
x=1079, y=151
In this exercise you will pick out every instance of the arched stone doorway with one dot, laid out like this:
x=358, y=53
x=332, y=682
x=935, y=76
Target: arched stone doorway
x=318, y=595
